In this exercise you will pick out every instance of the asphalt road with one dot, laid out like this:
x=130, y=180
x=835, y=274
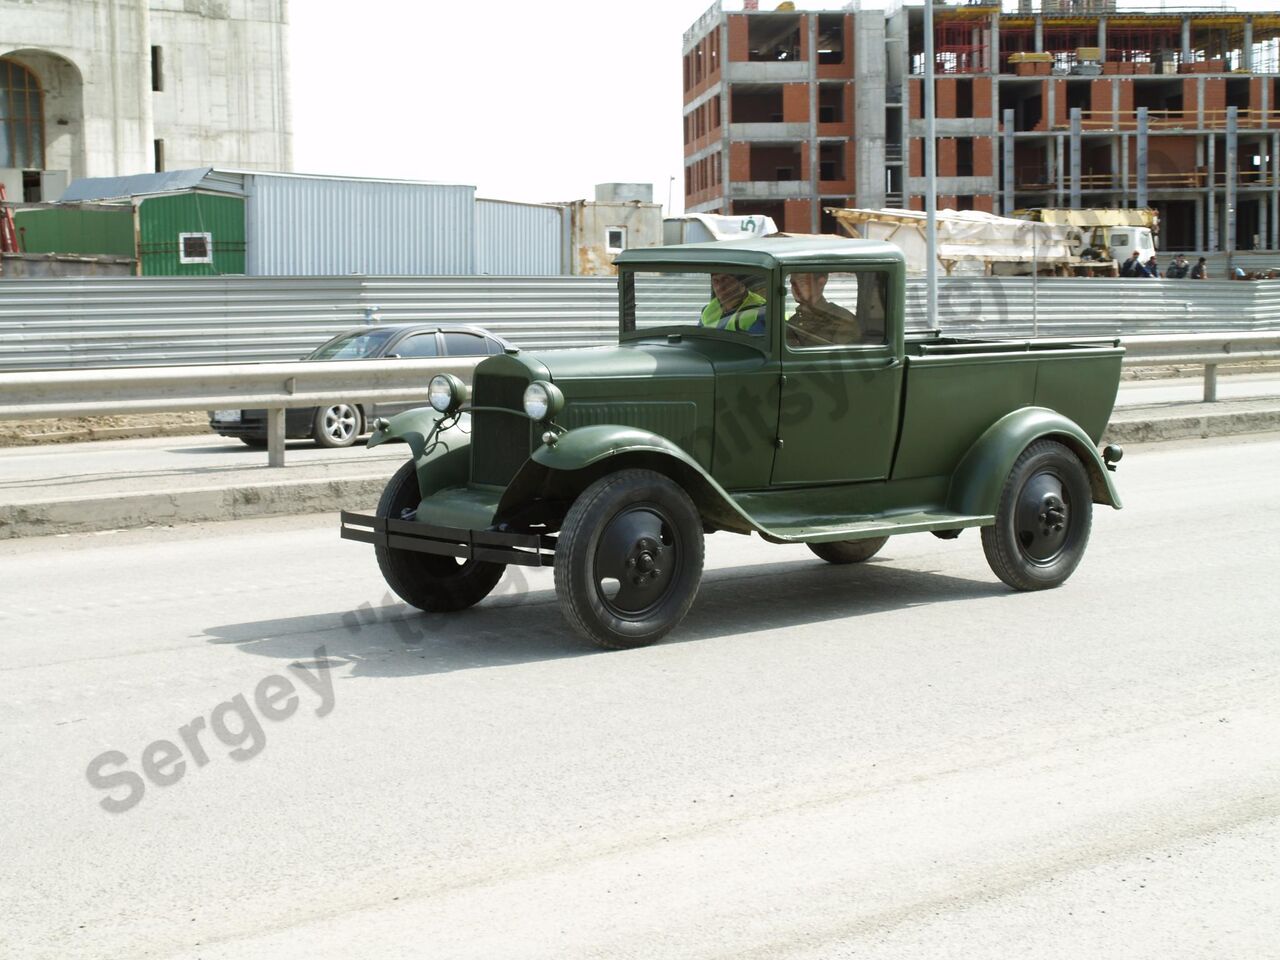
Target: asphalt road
x=899, y=760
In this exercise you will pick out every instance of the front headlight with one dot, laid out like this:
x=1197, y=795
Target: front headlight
x=446, y=393
x=542, y=400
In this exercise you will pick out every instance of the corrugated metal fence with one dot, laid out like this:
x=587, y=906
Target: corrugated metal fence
x=58, y=323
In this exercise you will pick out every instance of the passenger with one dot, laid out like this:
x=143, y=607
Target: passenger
x=816, y=319
x=735, y=307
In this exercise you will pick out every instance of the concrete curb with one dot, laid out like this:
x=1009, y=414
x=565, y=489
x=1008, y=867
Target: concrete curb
x=283, y=498
x=190, y=505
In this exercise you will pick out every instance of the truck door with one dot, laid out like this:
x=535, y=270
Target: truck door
x=841, y=383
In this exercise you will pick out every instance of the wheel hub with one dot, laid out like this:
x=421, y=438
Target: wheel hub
x=637, y=550
x=1043, y=517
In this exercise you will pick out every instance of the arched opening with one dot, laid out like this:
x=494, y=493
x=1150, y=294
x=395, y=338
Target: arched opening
x=21, y=117
x=41, y=124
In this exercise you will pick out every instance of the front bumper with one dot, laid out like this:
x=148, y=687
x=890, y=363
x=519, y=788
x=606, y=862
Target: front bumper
x=524, y=549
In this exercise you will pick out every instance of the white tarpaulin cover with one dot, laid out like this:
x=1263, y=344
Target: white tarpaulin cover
x=968, y=240
x=704, y=227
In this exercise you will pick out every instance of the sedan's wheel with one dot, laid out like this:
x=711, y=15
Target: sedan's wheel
x=258, y=443
x=1042, y=523
x=848, y=551
x=336, y=426
x=629, y=559
x=433, y=583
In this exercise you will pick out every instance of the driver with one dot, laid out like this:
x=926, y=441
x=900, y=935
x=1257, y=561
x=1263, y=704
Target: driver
x=735, y=307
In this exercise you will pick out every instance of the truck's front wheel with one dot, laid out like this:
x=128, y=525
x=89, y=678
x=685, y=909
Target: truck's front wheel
x=629, y=559
x=433, y=583
x=1042, y=523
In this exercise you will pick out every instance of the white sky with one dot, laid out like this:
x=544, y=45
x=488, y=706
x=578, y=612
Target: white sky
x=527, y=101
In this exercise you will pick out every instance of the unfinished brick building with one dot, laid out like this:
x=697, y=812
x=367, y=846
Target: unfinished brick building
x=1075, y=104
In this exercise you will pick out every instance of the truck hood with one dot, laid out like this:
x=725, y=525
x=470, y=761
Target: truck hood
x=633, y=361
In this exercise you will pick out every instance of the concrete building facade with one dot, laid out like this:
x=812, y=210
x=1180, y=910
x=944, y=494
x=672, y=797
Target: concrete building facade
x=1072, y=104
x=101, y=88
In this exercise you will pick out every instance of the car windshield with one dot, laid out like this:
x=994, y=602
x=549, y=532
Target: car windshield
x=735, y=302
x=352, y=346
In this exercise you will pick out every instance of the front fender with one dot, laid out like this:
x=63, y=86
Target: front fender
x=562, y=470
x=445, y=461
x=979, y=479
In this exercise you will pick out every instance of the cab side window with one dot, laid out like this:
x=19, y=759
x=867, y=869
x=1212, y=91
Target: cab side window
x=826, y=310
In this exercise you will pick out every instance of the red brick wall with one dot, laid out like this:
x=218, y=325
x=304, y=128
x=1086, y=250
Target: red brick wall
x=1169, y=155
x=982, y=97
x=1126, y=102
x=1100, y=98
x=795, y=103
x=797, y=216
x=915, y=94
x=836, y=71
x=1190, y=91
x=915, y=158
x=983, y=156
x=946, y=157
x=739, y=45
x=1215, y=99
x=984, y=202
x=945, y=91
x=739, y=162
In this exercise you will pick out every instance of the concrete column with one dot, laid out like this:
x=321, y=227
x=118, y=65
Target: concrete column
x=1232, y=172
x=1142, y=157
x=1116, y=176
x=1199, y=238
x=815, y=151
x=1124, y=168
x=724, y=116
x=993, y=47
x=1246, y=49
x=1200, y=103
x=1075, y=157
x=1061, y=157
x=1039, y=34
x=1186, y=39
x=1102, y=39
x=1275, y=191
x=1264, y=233
x=1211, y=198
x=1010, y=186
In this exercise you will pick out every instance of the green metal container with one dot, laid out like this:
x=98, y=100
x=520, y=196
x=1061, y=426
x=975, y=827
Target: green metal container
x=191, y=235
x=77, y=231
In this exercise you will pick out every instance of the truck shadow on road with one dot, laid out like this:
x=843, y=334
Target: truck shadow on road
x=391, y=639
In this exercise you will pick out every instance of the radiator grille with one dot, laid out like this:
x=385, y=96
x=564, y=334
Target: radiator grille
x=500, y=442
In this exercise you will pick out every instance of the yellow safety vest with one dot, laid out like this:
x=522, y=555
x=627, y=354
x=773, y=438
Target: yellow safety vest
x=747, y=318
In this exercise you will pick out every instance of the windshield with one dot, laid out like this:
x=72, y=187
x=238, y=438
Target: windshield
x=735, y=303
x=352, y=346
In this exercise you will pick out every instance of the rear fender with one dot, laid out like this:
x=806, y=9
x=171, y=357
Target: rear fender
x=579, y=457
x=979, y=479
x=443, y=459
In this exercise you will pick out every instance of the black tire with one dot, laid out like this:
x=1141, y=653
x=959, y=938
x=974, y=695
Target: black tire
x=1042, y=523
x=639, y=529
x=337, y=425
x=848, y=551
x=258, y=443
x=433, y=583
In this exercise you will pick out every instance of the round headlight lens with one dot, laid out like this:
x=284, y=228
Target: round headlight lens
x=445, y=393
x=537, y=401
x=542, y=400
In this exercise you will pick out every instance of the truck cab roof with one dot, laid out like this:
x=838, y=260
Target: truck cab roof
x=766, y=253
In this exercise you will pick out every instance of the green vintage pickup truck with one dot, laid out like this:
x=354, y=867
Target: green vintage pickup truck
x=759, y=386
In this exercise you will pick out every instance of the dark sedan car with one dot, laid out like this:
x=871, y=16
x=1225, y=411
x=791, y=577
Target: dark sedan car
x=340, y=423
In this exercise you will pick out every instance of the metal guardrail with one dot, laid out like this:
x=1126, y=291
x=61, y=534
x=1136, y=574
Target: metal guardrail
x=1208, y=349
x=160, y=321
x=277, y=386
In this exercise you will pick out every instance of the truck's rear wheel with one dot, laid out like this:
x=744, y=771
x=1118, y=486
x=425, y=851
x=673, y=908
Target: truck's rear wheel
x=433, y=583
x=1043, y=520
x=848, y=551
x=629, y=559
